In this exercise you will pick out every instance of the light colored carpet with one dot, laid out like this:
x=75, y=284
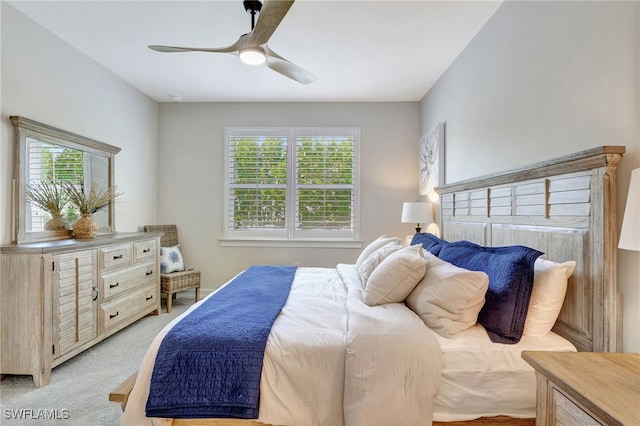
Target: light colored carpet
x=79, y=388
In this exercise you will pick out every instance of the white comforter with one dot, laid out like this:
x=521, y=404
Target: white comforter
x=332, y=360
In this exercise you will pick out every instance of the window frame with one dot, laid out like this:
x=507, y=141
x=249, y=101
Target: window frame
x=290, y=237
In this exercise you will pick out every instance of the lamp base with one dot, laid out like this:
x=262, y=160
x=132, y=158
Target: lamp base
x=418, y=228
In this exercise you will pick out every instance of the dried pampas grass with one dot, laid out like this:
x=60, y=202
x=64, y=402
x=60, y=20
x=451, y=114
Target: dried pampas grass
x=89, y=203
x=47, y=195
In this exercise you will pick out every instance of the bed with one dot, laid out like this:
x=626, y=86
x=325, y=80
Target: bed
x=327, y=335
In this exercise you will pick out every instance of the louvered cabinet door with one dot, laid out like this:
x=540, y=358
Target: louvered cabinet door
x=75, y=300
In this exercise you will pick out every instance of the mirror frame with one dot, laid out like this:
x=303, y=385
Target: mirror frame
x=24, y=128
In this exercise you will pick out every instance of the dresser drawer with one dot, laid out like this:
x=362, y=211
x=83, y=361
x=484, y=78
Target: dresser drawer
x=115, y=257
x=144, y=251
x=118, y=282
x=129, y=305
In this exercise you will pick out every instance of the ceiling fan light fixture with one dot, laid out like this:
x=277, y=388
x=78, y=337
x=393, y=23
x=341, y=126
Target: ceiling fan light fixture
x=253, y=55
x=252, y=46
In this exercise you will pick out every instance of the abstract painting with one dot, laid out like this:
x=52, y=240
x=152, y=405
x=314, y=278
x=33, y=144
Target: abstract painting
x=431, y=160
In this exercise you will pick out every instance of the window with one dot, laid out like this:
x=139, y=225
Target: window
x=48, y=162
x=291, y=184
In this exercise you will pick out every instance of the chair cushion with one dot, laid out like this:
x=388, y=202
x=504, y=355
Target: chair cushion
x=171, y=260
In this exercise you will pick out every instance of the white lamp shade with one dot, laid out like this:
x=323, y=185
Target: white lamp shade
x=417, y=212
x=630, y=233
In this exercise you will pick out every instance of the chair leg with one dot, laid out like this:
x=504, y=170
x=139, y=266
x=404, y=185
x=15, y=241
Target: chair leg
x=197, y=293
x=169, y=300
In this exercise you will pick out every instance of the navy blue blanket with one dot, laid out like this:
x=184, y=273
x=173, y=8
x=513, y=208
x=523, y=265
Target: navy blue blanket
x=210, y=363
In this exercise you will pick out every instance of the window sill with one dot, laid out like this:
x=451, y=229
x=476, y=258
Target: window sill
x=343, y=244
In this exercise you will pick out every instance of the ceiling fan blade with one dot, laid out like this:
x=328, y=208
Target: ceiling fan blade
x=288, y=69
x=272, y=13
x=170, y=49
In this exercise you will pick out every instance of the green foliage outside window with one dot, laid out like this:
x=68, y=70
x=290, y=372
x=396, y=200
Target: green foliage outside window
x=260, y=177
x=62, y=166
x=57, y=165
x=327, y=164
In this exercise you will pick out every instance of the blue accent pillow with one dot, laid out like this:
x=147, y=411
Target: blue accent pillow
x=171, y=260
x=510, y=270
x=429, y=242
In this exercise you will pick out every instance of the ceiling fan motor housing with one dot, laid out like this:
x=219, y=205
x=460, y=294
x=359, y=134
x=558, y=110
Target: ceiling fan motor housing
x=252, y=6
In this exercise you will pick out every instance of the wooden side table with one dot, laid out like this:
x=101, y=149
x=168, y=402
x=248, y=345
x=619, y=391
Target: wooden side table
x=586, y=388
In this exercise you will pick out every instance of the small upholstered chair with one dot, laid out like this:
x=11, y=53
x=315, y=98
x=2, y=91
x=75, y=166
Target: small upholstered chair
x=173, y=282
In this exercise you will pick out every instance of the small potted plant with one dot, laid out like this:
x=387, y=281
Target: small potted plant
x=52, y=198
x=88, y=203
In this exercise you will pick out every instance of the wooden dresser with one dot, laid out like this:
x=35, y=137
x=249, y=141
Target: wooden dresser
x=59, y=298
x=586, y=388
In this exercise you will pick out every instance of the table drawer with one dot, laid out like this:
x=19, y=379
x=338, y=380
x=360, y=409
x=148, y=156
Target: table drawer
x=118, y=282
x=129, y=305
x=115, y=257
x=144, y=251
x=567, y=412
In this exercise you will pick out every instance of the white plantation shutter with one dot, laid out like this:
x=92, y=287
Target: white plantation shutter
x=257, y=182
x=325, y=185
x=291, y=183
x=49, y=162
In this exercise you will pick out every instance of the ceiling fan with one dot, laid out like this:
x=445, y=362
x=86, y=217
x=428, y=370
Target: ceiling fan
x=252, y=47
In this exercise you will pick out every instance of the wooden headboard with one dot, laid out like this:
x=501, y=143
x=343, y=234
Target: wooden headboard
x=564, y=207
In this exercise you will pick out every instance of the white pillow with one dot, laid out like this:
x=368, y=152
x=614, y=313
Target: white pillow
x=550, y=281
x=395, y=277
x=171, y=260
x=449, y=298
x=369, y=265
x=382, y=240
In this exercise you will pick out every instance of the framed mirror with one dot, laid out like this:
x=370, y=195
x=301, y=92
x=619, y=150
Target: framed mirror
x=47, y=154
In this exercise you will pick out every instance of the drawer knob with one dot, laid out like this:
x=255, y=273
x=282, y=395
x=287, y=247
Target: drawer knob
x=149, y=273
x=146, y=250
x=150, y=297
x=117, y=257
x=114, y=285
x=114, y=315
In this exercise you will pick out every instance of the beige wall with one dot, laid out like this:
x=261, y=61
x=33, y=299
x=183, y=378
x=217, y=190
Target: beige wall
x=543, y=79
x=190, y=184
x=45, y=79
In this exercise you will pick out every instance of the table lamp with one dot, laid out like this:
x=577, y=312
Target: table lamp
x=417, y=212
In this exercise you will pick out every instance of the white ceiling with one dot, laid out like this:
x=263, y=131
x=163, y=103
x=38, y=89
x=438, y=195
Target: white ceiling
x=358, y=50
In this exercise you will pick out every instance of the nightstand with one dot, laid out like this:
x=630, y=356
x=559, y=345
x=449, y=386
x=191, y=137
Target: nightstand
x=586, y=388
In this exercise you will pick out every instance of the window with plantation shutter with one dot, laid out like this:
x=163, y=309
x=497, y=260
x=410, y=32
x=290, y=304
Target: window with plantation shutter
x=50, y=163
x=291, y=184
x=257, y=183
